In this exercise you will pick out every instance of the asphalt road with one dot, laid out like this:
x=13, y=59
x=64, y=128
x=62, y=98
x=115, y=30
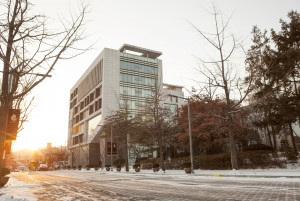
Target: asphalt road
x=56, y=185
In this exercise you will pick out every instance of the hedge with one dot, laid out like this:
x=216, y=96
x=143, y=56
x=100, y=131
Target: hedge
x=246, y=160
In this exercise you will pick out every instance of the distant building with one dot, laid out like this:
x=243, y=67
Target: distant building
x=115, y=75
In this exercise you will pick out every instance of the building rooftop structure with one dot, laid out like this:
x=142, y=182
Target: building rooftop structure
x=143, y=51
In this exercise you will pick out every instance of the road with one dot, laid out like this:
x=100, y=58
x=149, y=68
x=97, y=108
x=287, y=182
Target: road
x=76, y=185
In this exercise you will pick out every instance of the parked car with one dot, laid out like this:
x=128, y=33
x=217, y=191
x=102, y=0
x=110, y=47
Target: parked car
x=43, y=167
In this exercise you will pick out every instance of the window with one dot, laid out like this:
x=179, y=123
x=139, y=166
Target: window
x=85, y=114
x=92, y=124
x=75, y=140
x=80, y=138
x=91, y=97
x=100, y=103
x=82, y=105
x=96, y=106
x=91, y=109
x=76, y=110
x=77, y=129
x=81, y=116
x=98, y=92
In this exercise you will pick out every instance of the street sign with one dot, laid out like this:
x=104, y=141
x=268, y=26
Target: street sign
x=12, y=124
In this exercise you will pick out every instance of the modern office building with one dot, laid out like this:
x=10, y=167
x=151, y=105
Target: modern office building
x=115, y=76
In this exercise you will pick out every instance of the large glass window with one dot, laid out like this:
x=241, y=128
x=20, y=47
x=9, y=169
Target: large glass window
x=129, y=91
x=92, y=124
x=137, y=79
x=138, y=67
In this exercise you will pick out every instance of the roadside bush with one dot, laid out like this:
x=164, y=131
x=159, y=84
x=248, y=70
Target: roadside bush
x=222, y=161
x=288, y=151
x=136, y=165
x=4, y=171
x=146, y=164
x=214, y=162
x=138, y=160
x=187, y=164
x=255, y=147
x=258, y=159
x=155, y=165
x=119, y=161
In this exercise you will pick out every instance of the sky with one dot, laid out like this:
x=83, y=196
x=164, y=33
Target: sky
x=161, y=25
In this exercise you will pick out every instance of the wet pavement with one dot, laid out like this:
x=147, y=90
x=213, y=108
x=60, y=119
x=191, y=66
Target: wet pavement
x=83, y=186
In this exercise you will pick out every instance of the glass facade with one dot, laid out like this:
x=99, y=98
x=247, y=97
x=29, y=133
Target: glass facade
x=138, y=67
x=137, y=80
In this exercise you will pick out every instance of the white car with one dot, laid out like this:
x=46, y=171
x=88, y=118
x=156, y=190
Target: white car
x=43, y=167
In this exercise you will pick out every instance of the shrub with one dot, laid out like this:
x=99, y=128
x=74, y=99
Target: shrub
x=137, y=165
x=155, y=165
x=4, y=171
x=255, y=147
x=118, y=166
x=187, y=164
x=139, y=160
x=288, y=151
x=119, y=161
x=108, y=166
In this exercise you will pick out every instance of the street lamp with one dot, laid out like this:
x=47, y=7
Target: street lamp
x=190, y=132
x=111, y=148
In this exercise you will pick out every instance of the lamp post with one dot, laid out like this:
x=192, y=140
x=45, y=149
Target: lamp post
x=190, y=136
x=190, y=132
x=111, y=148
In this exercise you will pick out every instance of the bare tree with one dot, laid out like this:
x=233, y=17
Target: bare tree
x=219, y=73
x=29, y=51
x=123, y=125
x=158, y=122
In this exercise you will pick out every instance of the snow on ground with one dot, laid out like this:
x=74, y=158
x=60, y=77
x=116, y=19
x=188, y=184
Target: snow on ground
x=16, y=190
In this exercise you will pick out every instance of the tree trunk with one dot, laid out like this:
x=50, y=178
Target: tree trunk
x=161, y=156
x=126, y=153
x=293, y=139
x=234, y=162
x=274, y=138
x=3, y=122
x=269, y=136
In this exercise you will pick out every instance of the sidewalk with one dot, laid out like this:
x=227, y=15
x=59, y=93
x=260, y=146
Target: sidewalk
x=289, y=172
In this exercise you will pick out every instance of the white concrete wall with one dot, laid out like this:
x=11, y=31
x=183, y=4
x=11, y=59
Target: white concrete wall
x=111, y=79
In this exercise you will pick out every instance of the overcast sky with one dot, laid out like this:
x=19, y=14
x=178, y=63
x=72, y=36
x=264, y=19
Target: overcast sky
x=161, y=25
